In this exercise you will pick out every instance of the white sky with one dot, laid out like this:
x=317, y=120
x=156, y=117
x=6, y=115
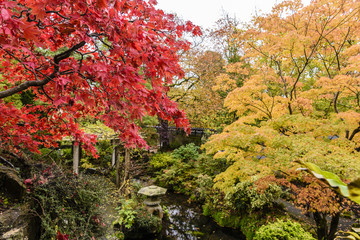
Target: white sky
x=205, y=13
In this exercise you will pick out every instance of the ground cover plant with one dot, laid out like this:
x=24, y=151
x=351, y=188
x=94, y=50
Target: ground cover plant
x=66, y=203
x=282, y=230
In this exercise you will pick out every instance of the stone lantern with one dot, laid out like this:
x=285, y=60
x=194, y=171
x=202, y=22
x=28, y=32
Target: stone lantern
x=152, y=201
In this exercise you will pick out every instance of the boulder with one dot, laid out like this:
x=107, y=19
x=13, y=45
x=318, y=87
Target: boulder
x=18, y=224
x=11, y=184
x=19, y=233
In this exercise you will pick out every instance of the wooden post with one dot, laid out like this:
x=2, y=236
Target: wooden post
x=76, y=156
x=113, y=158
x=118, y=164
x=126, y=164
x=114, y=143
x=125, y=184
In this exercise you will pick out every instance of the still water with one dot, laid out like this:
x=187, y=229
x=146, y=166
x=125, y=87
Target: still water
x=186, y=222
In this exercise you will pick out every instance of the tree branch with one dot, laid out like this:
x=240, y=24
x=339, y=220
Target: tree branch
x=38, y=83
x=357, y=130
x=336, y=96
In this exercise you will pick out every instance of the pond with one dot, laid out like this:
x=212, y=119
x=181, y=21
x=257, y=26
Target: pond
x=186, y=222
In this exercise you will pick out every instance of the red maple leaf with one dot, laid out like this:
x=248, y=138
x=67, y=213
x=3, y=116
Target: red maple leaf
x=60, y=236
x=96, y=61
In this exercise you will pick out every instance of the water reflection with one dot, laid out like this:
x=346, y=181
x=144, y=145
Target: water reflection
x=186, y=222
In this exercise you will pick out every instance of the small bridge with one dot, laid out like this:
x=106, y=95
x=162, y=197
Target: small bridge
x=194, y=131
x=172, y=137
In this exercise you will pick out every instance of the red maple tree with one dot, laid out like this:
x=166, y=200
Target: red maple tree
x=110, y=60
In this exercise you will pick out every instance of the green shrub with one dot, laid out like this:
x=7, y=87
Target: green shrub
x=187, y=152
x=181, y=177
x=204, y=184
x=134, y=220
x=245, y=196
x=67, y=203
x=208, y=165
x=243, y=207
x=161, y=160
x=104, y=150
x=187, y=171
x=282, y=230
x=225, y=216
x=149, y=133
x=126, y=214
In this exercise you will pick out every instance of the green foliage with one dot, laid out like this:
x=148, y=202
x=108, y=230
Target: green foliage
x=197, y=234
x=67, y=203
x=119, y=235
x=27, y=97
x=86, y=164
x=149, y=121
x=20, y=100
x=146, y=221
x=126, y=214
x=281, y=141
x=187, y=152
x=4, y=202
x=14, y=99
x=148, y=132
x=66, y=157
x=225, y=220
x=247, y=205
x=102, y=131
x=53, y=155
x=104, y=149
x=161, y=160
x=203, y=184
x=247, y=198
x=210, y=166
x=63, y=156
x=187, y=171
x=134, y=219
x=257, y=151
x=179, y=176
x=248, y=223
x=282, y=230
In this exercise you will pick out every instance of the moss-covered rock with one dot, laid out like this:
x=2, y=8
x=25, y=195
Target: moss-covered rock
x=246, y=222
x=19, y=224
x=10, y=183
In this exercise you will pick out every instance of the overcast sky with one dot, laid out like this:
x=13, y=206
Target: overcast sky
x=205, y=12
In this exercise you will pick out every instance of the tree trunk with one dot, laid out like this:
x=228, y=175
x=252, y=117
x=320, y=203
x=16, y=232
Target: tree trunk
x=334, y=225
x=290, y=109
x=321, y=226
x=336, y=96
